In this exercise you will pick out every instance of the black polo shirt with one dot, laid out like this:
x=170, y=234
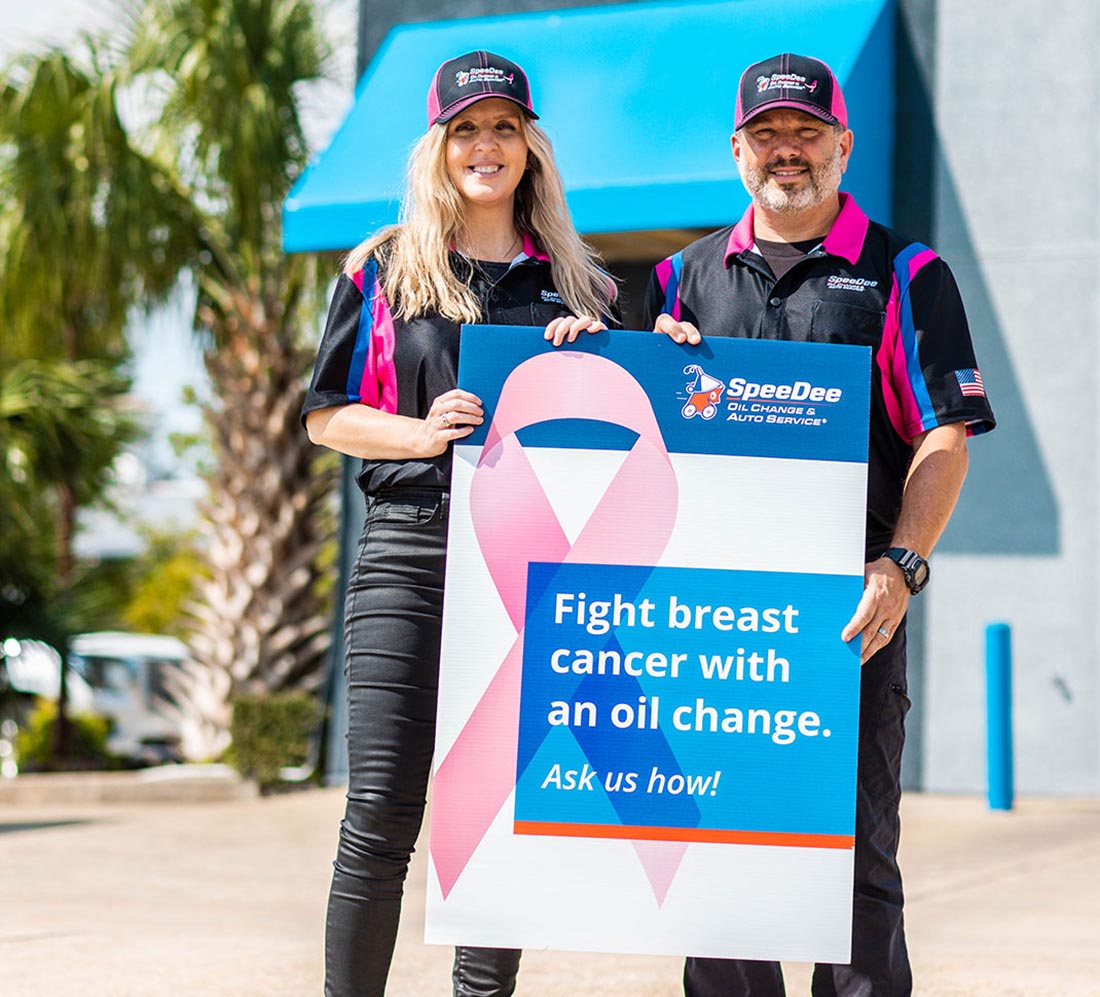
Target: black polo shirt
x=864, y=285
x=401, y=365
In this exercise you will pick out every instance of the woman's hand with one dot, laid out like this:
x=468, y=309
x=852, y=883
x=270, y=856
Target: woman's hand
x=680, y=332
x=567, y=328
x=453, y=415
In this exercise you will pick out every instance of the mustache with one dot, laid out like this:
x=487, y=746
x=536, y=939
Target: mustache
x=776, y=164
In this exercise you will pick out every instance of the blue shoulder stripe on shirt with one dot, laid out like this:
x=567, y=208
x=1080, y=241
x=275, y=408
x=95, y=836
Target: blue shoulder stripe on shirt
x=362, y=337
x=909, y=334
x=672, y=289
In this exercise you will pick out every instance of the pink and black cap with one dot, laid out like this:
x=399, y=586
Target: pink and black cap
x=460, y=82
x=794, y=81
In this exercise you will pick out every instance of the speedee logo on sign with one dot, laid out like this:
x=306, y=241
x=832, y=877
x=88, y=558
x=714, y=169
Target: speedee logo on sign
x=793, y=403
x=704, y=393
x=787, y=403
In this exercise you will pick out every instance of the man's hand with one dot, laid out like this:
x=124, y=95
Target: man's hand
x=931, y=489
x=680, y=332
x=881, y=610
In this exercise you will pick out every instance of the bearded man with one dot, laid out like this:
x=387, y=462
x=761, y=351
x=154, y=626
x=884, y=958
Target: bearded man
x=805, y=264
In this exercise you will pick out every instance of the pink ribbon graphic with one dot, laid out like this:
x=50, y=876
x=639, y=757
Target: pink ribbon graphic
x=515, y=524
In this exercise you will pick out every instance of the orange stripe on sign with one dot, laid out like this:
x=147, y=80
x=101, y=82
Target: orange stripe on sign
x=707, y=835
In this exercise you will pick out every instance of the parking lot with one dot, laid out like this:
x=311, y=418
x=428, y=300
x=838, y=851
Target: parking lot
x=206, y=896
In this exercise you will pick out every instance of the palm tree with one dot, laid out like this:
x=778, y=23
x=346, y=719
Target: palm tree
x=83, y=239
x=89, y=226
x=228, y=76
x=62, y=424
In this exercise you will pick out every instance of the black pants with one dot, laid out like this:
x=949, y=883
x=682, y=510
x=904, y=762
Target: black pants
x=880, y=962
x=392, y=622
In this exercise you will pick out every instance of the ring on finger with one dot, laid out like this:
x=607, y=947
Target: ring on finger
x=445, y=418
x=884, y=632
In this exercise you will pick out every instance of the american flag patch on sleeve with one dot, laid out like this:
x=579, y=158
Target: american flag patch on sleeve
x=970, y=382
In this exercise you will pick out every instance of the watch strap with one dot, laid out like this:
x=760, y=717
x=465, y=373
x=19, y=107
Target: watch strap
x=910, y=563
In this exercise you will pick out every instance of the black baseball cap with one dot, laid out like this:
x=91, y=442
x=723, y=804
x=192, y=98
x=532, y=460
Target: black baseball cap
x=794, y=81
x=460, y=82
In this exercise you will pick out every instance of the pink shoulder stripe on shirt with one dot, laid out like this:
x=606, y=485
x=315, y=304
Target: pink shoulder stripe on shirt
x=898, y=359
x=665, y=275
x=920, y=260
x=900, y=405
x=382, y=345
x=373, y=378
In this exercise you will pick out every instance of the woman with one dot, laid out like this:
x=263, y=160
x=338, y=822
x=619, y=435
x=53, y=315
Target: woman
x=485, y=237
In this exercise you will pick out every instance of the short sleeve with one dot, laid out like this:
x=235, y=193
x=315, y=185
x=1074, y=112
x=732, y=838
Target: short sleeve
x=654, y=301
x=930, y=375
x=663, y=292
x=355, y=359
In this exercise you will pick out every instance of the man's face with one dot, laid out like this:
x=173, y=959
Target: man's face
x=790, y=161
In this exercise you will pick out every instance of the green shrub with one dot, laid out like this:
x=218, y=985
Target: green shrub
x=34, y=743
x=272, y=732
x=165, y=578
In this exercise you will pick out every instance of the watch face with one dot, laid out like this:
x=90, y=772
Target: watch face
x=913, y=565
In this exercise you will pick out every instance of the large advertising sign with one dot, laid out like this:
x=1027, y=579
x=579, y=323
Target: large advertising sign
x=647, y=718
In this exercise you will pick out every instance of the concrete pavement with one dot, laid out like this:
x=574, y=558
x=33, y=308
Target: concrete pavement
x=228, y=897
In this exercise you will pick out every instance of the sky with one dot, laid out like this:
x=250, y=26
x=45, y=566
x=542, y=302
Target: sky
x=51, y=21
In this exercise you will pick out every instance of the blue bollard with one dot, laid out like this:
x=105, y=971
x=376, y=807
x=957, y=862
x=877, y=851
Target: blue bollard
x=998, y=679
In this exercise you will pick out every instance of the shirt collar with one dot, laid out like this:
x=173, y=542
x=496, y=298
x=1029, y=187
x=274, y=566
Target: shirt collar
x=845, y=238
x=530, y=250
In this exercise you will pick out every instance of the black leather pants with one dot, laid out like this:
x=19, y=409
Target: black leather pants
x=392, y=624
x=880, y=961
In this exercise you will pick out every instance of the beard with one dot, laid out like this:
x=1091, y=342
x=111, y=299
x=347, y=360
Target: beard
x=821, y=182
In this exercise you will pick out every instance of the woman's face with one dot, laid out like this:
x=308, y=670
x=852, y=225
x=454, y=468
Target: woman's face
x=487, y=151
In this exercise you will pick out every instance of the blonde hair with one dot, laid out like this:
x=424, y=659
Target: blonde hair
x=417, y=276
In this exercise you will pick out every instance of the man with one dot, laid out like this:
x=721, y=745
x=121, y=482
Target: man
x=805, y=264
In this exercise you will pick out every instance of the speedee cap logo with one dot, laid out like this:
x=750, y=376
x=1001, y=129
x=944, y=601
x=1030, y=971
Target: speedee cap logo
x=486, y=74
x=785, y=81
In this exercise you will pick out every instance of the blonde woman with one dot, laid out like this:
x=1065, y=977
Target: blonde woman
x=485, y=237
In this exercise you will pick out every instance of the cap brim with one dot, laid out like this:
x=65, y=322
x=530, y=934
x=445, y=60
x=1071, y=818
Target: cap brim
x=449, y=112
x=795, y=105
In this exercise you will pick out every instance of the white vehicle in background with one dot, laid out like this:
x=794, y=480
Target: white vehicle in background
x=130, y=677
x=32, y=669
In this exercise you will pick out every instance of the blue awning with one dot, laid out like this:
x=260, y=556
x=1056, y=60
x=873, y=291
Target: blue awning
x=637, y=99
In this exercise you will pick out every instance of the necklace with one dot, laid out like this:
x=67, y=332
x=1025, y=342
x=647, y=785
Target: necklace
x=504, y=257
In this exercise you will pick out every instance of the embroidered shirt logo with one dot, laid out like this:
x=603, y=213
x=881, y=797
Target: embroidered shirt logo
x=551, y=296
x=785, y=81
x=483, y=74
x=836, y=283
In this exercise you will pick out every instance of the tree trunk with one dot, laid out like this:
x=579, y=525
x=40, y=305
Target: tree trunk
x=66, y=520
x=261, y=619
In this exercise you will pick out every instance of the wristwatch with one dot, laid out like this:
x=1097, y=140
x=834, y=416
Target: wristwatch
x=913, y=566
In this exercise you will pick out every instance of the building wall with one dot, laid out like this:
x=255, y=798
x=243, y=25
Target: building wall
x=376, y=17
x=1015, y=212
x=998, y=128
